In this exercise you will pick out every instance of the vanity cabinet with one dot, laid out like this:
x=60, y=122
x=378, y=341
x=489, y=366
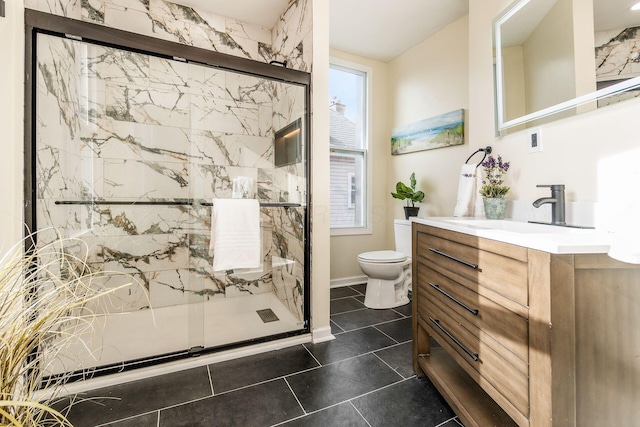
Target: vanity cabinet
x=514, y=331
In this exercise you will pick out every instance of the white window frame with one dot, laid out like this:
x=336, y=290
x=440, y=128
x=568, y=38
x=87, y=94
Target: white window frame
x=367, y=152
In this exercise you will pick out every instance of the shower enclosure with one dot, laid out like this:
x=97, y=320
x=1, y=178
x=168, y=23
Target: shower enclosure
x=127, y=145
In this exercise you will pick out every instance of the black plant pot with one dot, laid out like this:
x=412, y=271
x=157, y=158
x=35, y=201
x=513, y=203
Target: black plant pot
x=410, y=211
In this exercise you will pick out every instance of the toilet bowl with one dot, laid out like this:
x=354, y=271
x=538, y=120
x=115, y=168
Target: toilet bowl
x=389, y=272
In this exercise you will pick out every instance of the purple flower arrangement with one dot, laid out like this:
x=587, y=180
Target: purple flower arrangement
x=493, y=184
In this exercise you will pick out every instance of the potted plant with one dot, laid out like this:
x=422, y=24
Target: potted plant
x=493, y=189
x=46, y=296
x=409, y=193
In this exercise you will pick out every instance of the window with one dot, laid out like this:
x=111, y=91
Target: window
x=348, y=104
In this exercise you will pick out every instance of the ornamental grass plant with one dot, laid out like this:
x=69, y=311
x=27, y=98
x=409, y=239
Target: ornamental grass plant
x=47, y=296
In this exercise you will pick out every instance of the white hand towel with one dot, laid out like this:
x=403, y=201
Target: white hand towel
x=478, y=211
x=235, y=233
x=466, y=189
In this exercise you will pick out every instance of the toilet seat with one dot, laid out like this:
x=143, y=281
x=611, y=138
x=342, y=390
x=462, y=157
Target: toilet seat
x=382, y=257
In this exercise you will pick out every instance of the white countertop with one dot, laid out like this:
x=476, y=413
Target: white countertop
x=546, y=238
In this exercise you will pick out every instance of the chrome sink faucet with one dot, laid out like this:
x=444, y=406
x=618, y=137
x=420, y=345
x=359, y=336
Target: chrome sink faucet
x=557, y=203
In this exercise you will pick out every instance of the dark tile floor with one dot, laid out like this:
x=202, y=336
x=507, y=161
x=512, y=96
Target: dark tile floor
x=362, y=378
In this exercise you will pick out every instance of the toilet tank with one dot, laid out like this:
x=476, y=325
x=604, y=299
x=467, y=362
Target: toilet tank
x=402, y=230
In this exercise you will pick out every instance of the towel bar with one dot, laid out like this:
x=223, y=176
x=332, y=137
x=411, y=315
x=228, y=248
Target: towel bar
x=486, y=150
x=175, y=202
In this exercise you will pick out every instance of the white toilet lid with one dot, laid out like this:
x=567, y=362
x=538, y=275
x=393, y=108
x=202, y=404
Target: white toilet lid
x=382, y=256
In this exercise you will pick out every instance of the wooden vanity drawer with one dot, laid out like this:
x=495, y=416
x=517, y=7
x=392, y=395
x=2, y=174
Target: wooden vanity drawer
x=465, y=264
x=491, y=321
x=479, y=358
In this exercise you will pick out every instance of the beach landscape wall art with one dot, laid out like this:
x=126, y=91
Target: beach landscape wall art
x=436, y=132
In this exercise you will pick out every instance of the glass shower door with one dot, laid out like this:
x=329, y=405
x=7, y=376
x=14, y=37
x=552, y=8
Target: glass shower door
x=131, y=150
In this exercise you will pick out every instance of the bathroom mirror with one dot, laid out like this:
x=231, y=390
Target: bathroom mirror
x=557, y=58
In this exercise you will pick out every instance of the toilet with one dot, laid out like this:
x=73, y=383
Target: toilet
x=389, y=272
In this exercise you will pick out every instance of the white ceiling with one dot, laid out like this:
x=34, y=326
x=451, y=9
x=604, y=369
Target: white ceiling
x=383, y=29
x=377, y=29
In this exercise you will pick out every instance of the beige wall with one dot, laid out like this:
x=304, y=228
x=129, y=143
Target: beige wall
x=427, y=80
x=320, y=243
x=345, y=249
x=11, y=113
x=574, y=148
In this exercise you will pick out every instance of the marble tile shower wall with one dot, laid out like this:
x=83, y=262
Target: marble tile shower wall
x=119, y=125
x=289, y=40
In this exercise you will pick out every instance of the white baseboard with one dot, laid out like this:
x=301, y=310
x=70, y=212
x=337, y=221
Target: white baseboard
x=322, y=334
x=178, y=365
x=348, y=281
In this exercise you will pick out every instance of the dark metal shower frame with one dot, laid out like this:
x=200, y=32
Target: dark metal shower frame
x=40, y=22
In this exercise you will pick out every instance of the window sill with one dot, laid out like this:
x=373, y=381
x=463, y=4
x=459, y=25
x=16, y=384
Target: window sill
x=350, y=231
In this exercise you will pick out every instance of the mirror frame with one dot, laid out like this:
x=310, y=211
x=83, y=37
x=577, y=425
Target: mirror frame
x=501, y=124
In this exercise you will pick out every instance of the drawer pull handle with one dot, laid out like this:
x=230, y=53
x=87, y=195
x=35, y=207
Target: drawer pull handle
x=474, y=356
x=468, y=264
x=473, y=311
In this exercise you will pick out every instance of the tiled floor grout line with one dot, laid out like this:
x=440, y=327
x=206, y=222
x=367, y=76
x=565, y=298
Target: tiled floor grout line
x=307, y=413
x=312, y=355
x=213, y=393
x=378, y=389
x=347, y=401
x=374, y=324
x=336, y=325
x=386, y=335
x=349, y=297
x=390, y=367
x=445, y=422
x=295, y=397
x=351, y=358
x=359, y=413
x=108, y=423
x=350, y=311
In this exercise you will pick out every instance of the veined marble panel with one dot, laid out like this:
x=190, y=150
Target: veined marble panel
x=57, y=83
x=147, y=105
x=265, y=185
x=613, y=57
x=288, y=246
x=254, y=90
x=65, y=175
x=115, y=65
x=132, y=295
x=246, y=31
x=182, y=286
x=289, y=34
x=144, y=180
x=69, y=8
x=207, y=81
x=288, y=104
x=228, y=116
x=233, y=150
x=93, y=11
x=113, y=139
x=250, y=151
x=185, y=25
x=208, y=181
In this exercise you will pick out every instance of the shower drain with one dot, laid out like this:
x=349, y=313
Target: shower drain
x=267, y=315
